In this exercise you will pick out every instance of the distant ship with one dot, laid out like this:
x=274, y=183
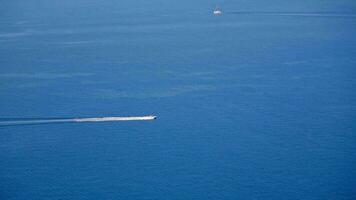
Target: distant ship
x=217, y=11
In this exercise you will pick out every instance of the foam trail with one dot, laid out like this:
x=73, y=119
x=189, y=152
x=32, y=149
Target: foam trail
x=73, y=120
x=296, y=14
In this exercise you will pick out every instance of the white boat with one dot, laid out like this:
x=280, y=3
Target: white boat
x=217, y=11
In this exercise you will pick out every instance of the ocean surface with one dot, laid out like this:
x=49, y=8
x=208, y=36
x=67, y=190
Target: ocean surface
x=259, y=103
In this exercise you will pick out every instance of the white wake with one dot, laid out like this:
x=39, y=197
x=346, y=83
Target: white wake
x=78, y=120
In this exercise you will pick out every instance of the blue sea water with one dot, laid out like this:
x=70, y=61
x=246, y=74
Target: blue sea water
x=258, y=103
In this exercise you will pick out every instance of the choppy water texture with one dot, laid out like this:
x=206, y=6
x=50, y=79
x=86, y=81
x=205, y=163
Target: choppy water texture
x=258, y=103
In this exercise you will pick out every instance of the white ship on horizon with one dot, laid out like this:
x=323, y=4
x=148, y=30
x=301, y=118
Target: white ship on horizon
x=217, y=11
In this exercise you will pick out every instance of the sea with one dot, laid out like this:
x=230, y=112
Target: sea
x=258, y=103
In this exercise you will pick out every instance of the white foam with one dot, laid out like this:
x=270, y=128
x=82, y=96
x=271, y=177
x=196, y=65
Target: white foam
x=92, y=119
x=106, y=119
